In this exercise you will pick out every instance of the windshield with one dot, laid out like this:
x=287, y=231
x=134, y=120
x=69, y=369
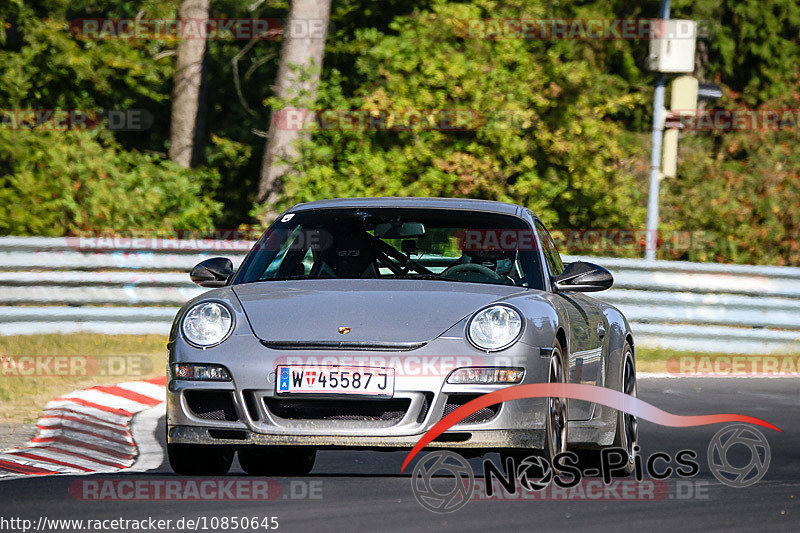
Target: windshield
x=381, y=243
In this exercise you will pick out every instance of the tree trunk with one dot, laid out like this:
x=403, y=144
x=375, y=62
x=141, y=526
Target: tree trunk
x=301, y=57
x=187, y=130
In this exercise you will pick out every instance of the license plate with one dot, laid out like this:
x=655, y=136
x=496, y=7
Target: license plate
x=336, y=380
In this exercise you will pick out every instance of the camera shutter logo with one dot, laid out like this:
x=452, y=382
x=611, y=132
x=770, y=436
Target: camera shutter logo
x=458, y=485
x=738, y=436
x=534, y=473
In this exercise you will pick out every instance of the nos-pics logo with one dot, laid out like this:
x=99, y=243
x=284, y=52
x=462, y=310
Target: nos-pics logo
x=443, y=481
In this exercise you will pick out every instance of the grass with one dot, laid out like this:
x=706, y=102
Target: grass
x=669, y=361
x=655, y=360
x=30, y=377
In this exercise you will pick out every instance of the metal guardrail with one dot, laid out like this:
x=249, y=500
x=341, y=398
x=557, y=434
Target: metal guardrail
x=707, y=307
x=68, y=285
x=65, y=285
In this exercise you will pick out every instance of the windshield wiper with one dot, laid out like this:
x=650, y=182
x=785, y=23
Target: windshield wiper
x=290, y=278
x=419, y=276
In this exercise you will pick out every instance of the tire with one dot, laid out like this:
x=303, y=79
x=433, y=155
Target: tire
x=556, y=415
x=199, y=460
x=589, y=458
x=557, y=408
x=275, y=461
x=627, y=433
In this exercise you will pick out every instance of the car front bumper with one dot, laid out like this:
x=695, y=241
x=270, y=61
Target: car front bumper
x=253, y=415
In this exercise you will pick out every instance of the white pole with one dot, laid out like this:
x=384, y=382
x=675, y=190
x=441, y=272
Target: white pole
x=655, y=158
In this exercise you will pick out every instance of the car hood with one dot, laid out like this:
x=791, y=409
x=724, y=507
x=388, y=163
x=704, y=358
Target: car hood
x=376, y=311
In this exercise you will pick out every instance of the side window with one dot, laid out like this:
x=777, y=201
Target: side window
x=550, y=250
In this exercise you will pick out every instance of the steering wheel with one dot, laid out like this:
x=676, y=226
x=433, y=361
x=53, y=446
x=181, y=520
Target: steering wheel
x=470, y=267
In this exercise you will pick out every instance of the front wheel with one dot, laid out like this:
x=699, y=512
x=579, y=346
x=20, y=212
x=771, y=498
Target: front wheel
x=627, y=433
x=557, y=408
x=556, y=416
x=199, y=460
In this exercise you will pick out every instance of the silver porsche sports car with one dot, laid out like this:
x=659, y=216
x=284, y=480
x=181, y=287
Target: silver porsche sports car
x=360, y=323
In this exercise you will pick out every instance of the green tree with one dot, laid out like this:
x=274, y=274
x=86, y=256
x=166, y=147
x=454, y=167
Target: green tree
x=56, y=183
x=555, y=149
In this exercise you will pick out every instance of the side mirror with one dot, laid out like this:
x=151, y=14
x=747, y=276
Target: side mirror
x=214, y=272
x=583, y=277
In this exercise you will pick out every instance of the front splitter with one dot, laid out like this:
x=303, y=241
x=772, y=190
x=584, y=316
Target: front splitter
x=488, y=439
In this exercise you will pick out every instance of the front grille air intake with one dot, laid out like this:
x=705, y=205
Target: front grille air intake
x=358, y=410
x=211, y=405
x=454, y=401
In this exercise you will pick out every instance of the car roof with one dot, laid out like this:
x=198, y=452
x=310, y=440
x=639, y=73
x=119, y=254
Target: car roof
x=488, y=206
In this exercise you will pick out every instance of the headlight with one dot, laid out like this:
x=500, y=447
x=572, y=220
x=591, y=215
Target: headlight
x=207, y=323
x=495, y=328
x=201, y=372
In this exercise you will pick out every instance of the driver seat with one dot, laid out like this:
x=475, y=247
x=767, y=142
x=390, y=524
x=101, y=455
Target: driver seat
x=350, y=256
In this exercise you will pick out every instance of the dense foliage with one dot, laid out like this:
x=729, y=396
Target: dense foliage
x=550, y=142
x=568, y=134
x=67, y=182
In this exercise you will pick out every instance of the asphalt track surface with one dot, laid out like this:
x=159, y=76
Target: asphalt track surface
x=365, y=491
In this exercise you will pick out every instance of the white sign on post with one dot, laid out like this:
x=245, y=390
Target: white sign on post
x=673, y=46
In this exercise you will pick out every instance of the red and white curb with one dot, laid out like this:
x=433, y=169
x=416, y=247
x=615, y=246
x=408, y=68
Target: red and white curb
x=94, y=430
